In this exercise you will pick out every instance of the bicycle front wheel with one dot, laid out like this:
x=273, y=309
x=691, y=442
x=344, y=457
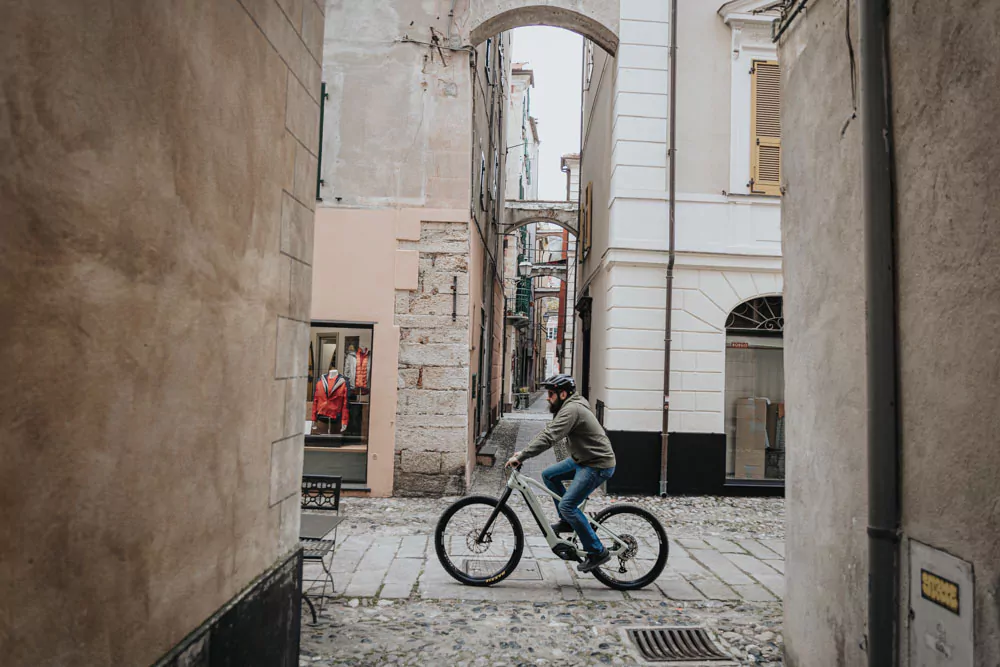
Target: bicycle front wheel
x=468, y=559
x=646, y=550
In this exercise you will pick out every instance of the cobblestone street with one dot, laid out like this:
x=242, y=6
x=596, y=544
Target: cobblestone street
x=395, y=605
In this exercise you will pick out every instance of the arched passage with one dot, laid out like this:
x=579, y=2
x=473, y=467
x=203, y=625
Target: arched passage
x=597, y=20
x=517, y=214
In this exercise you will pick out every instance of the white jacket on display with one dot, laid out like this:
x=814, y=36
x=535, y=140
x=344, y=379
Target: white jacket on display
x=351, y=366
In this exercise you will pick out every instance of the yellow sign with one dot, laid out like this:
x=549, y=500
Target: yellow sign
x=939, y=590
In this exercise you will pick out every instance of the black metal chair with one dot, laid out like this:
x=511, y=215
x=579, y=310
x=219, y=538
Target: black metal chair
x=318, y=529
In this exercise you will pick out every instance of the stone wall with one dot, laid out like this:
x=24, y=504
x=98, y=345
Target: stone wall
x=432, y=420
x=157, y=194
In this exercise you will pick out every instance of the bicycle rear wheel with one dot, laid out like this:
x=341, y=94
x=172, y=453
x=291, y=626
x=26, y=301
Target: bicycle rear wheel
x=646, y=556
x=468, y=560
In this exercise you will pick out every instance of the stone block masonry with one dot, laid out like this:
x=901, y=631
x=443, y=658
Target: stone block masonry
x=432, y=422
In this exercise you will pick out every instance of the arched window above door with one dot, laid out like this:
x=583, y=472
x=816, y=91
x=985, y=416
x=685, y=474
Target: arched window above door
x=764, y=314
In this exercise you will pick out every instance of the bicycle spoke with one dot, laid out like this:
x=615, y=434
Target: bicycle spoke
x=643, y=547
x=479, y=560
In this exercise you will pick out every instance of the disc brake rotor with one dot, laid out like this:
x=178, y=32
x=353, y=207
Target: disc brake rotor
x=478, y=547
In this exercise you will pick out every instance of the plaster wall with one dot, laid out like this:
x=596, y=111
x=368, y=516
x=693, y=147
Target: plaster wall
x=704, y=64
x=949, y=253
x=336, y=295
x=158, y=225
x=825, y=389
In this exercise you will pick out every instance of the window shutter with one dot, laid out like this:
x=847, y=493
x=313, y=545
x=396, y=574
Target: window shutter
x=765, y=128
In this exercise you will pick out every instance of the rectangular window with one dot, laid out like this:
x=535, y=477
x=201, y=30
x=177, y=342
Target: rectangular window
x=765, y=128
x=338, y=398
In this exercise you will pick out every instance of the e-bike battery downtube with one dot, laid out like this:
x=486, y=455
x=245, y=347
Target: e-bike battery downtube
x=493, y=516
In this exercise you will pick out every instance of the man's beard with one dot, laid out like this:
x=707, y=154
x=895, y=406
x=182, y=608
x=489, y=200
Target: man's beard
x=554, y=407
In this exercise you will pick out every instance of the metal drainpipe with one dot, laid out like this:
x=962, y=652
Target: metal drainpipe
x=671, y=185
x=883, y=435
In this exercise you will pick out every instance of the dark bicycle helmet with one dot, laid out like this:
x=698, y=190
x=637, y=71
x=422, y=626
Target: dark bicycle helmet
x=561, y=383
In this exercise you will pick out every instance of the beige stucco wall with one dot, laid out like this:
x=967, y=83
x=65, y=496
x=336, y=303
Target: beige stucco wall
x=947, y=250
x=704, y=80
x=826, y=488
x=354, y=280
x=155, y=259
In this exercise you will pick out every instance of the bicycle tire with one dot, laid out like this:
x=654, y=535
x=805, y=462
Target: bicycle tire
x=445, y=561
x=661, y=560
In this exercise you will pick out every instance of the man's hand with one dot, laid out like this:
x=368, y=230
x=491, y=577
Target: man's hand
x=514, y=461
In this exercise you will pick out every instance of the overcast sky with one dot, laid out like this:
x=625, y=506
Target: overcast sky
x=556, y=56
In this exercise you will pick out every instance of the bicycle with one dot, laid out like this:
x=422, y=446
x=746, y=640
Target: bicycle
x=479, y=539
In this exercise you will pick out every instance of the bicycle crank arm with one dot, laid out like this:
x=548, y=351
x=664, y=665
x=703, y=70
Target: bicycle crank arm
x=493, y=516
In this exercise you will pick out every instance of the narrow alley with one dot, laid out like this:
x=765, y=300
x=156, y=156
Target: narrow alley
x=395, y=605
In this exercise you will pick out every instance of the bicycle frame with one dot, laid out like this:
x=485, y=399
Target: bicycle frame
x=522, y=483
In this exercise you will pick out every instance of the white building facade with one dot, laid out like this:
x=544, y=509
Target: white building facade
x=726, y=315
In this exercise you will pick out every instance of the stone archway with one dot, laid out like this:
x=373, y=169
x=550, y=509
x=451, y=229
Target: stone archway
x=597, y=20
x=517, y=214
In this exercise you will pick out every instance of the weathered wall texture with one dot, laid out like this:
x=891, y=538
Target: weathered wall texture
x=826, y=489
x=947, y=147
x=432, y=413
x=154, y=277
x=948, y=252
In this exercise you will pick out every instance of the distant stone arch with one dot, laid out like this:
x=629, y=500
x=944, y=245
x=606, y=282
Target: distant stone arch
x=597, y=20
x=518, y=214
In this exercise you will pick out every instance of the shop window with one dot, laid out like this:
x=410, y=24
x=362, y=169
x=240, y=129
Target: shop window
x=755, y=391
x=338, y=397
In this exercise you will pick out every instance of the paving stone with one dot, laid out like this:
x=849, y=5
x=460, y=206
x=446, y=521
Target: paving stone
x=556, y=572
x=754, y=593
x=777, y=546
x=378, y=557
x=774, y=583
x=724, y=546
x=688, y=567
x=396, y=592
x=649, y=593
x=755, y=568
x=757, y=549
x=413, y=546
x=678, y=589
x=713, y=589
x=722, y=567
x=570, y=593
x=345, y=561
x=365, y=583
x=689, y=543
x=602, y=594
x=778, y=565
x=404, y=571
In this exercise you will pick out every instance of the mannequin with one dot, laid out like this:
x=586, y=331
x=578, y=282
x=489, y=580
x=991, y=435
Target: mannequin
x=330, y=403
x=351, y=366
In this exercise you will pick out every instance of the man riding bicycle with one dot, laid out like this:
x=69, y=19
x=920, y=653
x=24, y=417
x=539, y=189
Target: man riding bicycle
x=591, y=463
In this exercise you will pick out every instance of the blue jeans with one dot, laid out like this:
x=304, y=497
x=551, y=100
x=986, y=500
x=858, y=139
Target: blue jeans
x=585, y=480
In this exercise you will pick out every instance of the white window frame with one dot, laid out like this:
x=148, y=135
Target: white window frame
x=751, y=40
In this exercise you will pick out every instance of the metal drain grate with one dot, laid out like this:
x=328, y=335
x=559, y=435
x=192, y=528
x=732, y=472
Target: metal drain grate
x=677, y=645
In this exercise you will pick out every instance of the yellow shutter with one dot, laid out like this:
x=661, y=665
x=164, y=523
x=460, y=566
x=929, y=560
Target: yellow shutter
x=765, y=128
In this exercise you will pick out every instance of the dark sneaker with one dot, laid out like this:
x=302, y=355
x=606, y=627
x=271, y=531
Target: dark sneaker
x=562, y=527
x=594, y=561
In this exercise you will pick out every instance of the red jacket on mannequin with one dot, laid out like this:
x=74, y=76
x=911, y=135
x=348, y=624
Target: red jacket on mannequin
x=330, y=399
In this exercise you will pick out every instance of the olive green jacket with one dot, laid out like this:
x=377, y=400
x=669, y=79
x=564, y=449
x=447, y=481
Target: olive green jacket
x=586, y=440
